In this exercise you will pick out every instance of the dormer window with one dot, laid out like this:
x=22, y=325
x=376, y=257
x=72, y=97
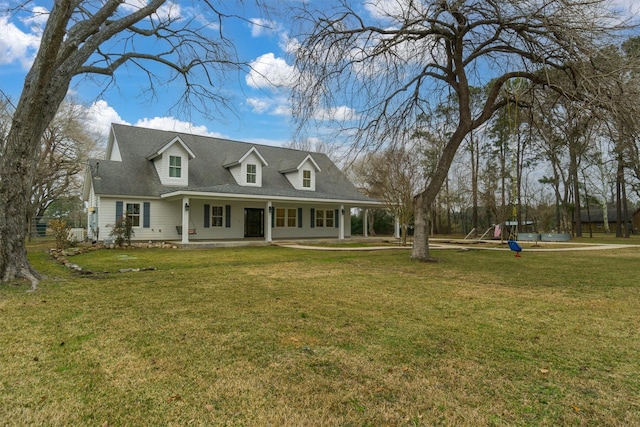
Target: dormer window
x=171, y=161
x=302, y=173
x=247, y=170
x=306, y=178
x=175, y=166
x=252, y=173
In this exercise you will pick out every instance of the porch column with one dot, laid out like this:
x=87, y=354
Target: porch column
x=365, y=223
x=341, y=219
x=397, y=228
x=185, y=219
x=267, y=226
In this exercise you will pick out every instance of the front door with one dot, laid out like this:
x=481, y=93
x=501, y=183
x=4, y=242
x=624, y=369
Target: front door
x=253, y=222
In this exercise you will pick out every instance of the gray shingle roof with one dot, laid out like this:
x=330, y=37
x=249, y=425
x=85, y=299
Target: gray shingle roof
x=137, y=176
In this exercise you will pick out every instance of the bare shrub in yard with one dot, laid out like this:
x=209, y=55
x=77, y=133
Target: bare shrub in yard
x=122, y=231
x=60, y=231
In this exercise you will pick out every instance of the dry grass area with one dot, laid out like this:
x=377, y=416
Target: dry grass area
x=276, y=336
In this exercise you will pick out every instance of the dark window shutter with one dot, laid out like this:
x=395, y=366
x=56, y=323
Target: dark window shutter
x=227, y=214
x=299, y=217
x=273, y=216
x=336, y=219
x=313, y=217
x=207, y=217
x=119, y=209
x=146, y=215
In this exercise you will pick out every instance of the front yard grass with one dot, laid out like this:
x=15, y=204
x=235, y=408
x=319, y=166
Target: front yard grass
x=283, y=337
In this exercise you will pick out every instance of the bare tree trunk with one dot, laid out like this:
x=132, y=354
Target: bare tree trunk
x=370, y=222
x=475, y=166
x=421, y=235
x=404, y=234
x=17, y=173
x=426, y=198
x=625, y=209
x=619, y=178
x=573, y=170
x=17, y=163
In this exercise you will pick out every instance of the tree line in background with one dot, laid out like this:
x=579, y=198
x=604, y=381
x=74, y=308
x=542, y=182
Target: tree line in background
x=546, y=161
x=432, y=77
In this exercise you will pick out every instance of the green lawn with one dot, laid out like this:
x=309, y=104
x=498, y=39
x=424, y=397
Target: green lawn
x=285, y=337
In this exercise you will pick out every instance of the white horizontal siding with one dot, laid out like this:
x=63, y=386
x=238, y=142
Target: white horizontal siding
x=166, y=215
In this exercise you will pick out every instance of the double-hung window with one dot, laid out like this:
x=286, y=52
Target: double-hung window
x=319, y=218
x=252, y=173
x=175, y=166
x=306, y=178
x=292, y=218
x=217, y=215
x=328, y=222
x=133, y=214
x=280, y=217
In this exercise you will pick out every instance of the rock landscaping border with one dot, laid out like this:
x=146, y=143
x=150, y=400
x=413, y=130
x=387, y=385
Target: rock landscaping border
x=62, y=255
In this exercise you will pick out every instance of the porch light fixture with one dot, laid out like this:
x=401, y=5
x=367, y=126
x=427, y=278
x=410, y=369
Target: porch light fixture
x=186, y=207
x=342, y=211
x=270, y=209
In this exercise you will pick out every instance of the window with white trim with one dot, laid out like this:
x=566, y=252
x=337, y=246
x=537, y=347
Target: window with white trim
x=319, y=218
x=252, y=173
x=286, y=217
x=306, y=178
x=280, y=213
x=329, y=220
x=217, y=216
x=325, y=218
x=175, y=166
x=133, y=214
x=292, y=218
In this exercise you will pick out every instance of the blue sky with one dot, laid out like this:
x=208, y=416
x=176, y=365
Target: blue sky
x=261, y=110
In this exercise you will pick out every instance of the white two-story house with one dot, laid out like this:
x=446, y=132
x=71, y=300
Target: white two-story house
x=178, y=186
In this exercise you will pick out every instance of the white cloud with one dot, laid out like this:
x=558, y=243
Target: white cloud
x=341, y=113
x=282, y=109
x=383, y=8
x=37, y=20
x=275, y=106
x=261, y=27
x=100, y=115
x=259, y=105
x=269, y=72
x=173, y=124
x=16, y=45
x=289, y=44
x=169, y=10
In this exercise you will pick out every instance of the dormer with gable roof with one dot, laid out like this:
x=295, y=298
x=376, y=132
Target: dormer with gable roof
x=247, y=170
x=303, y=175
x=171, y=161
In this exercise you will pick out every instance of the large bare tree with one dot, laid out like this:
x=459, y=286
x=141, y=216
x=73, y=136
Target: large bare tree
x=85, y=37
x=391, y=61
